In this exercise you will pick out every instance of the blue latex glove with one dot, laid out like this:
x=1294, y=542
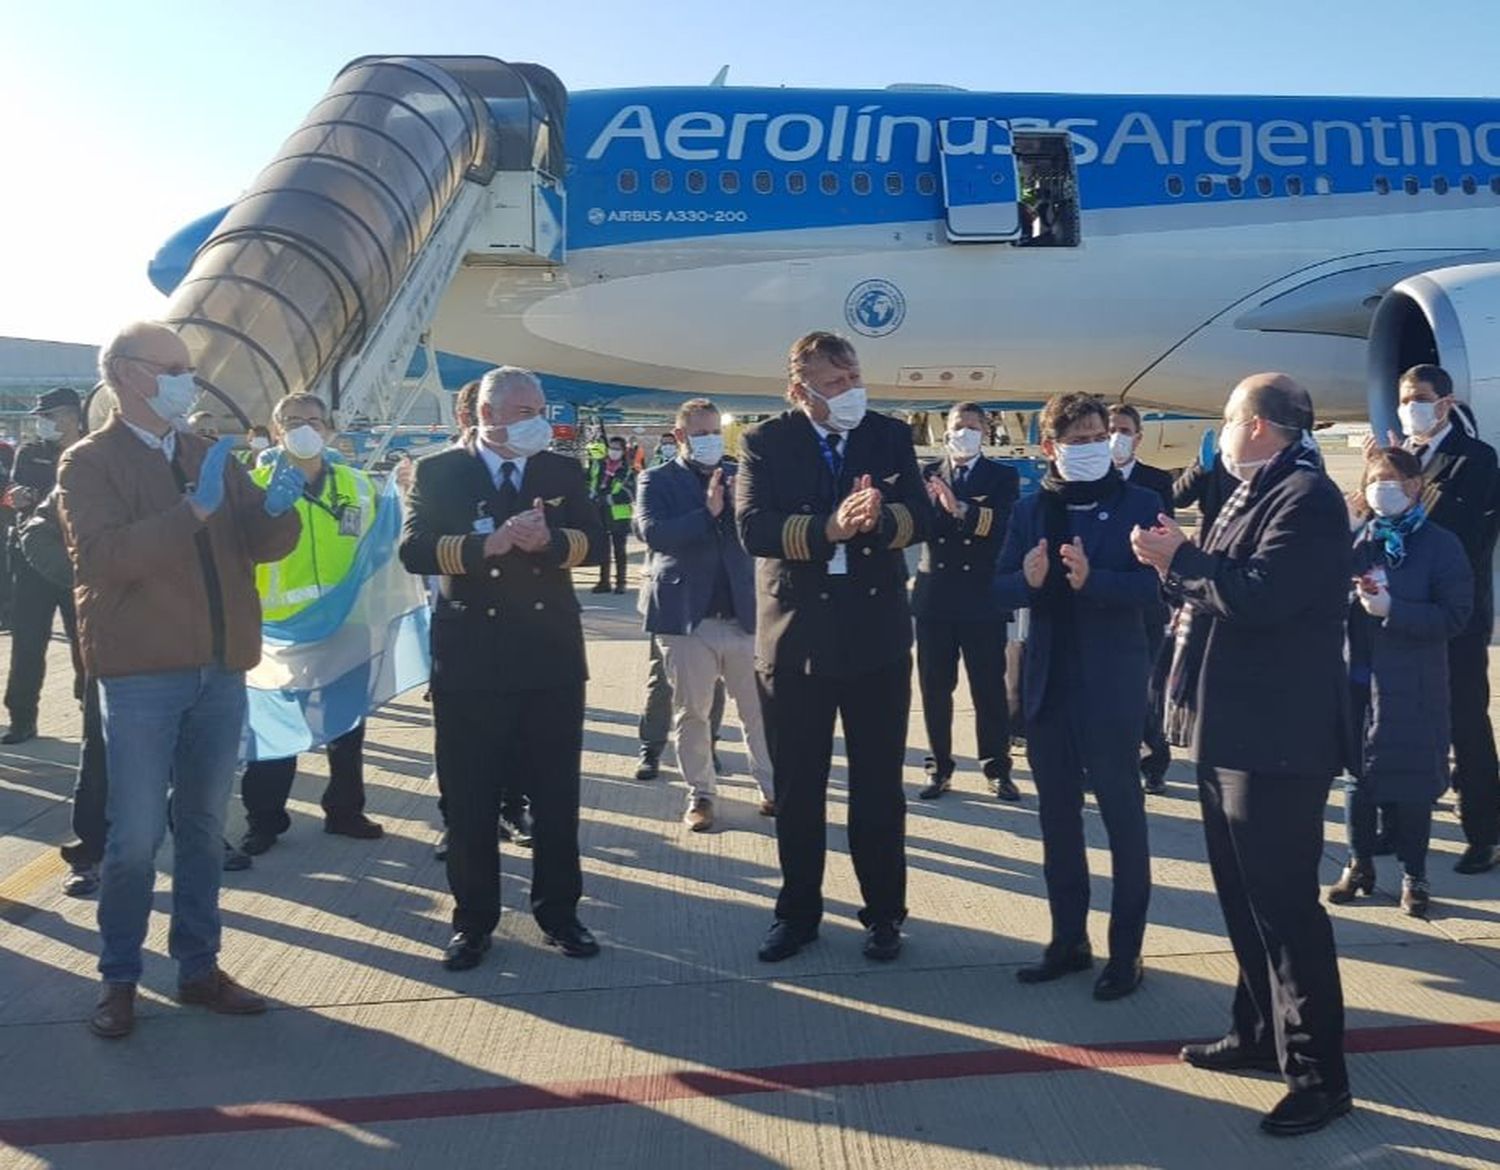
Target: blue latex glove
x=285, y=487
x=209, y=493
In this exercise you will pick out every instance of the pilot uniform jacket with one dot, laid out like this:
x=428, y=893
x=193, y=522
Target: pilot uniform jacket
x=1461, y=492
x=811, y=621
x=688, y=549
x=954, y=576
x=506, y=623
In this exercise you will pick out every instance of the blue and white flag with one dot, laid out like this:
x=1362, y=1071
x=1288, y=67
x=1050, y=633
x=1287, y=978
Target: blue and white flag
x=361, y=644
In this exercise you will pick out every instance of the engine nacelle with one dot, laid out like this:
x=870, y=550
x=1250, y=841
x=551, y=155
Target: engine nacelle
x=1449, y=317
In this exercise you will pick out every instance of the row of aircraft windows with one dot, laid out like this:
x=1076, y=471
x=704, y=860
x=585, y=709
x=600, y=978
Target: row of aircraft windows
x=1323, y=185
x=696, y=182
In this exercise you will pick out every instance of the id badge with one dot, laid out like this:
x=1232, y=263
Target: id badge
x=838, y=565
x=351, y=521
x=484, y=525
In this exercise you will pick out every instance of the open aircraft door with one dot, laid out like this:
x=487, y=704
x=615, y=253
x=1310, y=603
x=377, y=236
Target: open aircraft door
x=979, y=180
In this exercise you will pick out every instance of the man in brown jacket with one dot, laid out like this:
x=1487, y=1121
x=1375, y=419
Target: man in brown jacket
x=165, y=530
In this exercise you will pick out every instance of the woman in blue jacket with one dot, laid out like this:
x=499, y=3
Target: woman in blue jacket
x=1067, y=558
x=1413, y=592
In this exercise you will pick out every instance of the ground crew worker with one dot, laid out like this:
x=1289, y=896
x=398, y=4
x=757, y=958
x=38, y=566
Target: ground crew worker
x=612, y=487
x=337, y=508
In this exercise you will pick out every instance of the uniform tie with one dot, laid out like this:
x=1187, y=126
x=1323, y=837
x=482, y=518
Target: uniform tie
x=508, y=489
x=832, y=440
x=960, y=473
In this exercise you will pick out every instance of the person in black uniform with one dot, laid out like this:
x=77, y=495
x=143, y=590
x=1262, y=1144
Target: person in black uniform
x=829, y=497
x=1461, y=492
x=955, y=610
x=1259, y=683
x=1124, y=444
x=502, y=522
x=34, y=599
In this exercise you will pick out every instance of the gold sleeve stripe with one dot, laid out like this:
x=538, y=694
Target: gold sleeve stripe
x=795, y=545
x=905, y=526
x=578, y=548
x=450, y=555
x=985, y=519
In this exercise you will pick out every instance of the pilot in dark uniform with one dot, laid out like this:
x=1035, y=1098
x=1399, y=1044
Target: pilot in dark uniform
x=828, y=497
x=956, y=611
x=502, y=521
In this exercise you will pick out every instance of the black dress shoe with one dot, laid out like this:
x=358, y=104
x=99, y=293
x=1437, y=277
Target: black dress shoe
x=19, y=733
x=1004, y=788
x=784, y=940
x=1118, y=979
x=256, y=842
x=650, y=766
x=936, y=786
x=1058, y=959
x=465, y=950
x=1306, y=1111
x=516, y=828
x=573, y=940
x=883, y=942
x=359, y=826
x=602, y=587
x=1155, y=785
x=1477, y=859
x=1228, y=1055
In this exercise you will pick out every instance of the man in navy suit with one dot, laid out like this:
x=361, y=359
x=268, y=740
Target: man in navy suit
x=700, y=603
x=956, y=612
x=1124, y=444
x=1067, y=557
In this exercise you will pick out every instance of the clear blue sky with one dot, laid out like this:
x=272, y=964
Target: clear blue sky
x=124, y=119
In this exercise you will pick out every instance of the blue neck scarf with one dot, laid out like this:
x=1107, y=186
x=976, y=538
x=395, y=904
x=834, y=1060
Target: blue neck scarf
x=1392, y=531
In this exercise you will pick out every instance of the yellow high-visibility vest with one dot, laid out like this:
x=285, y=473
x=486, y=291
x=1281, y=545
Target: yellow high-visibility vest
x=332, y=526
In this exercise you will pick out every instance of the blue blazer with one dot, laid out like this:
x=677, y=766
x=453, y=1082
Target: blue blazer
x=1110, y=673
x=687, y=547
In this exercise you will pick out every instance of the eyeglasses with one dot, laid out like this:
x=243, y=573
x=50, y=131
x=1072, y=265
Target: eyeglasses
x=291, y=424
x=172, y=368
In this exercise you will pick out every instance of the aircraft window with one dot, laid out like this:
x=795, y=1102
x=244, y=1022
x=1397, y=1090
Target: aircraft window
x=861, y=183
x=796, y=182
x=1205, y=185
x=1439, y=185
x=1382, y=185
x=1235, y=184
x=1294, y=184
x=1323, y=185
x=661, y=181
x=828, y=183
x=697, y=182
x=1174, y=185
x=729, y=182
x=893, y=184
x=1411, y=185
x=627, y=181
x=1263, y=185
x=763, y=182
x=1495, y=185
x=926, y=184
x=1469, y=184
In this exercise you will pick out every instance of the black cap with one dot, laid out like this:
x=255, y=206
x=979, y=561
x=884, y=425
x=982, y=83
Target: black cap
x=56, y=400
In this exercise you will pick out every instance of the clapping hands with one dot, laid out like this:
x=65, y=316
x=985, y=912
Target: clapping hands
x=525, y=531
x=940, y=492
x=1157, y=546
x=859, y=511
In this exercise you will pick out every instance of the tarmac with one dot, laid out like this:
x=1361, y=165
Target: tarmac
x=676, y=1047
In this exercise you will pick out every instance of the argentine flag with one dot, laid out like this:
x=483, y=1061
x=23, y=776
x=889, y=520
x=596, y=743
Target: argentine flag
x=361, y=644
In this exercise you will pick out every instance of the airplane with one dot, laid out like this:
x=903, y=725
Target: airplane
x=636, y=246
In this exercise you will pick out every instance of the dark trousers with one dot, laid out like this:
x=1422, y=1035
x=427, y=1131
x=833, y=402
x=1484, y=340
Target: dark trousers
x=1154, y=736
x=1409, y=823
x=656, y=715
x=1015, y=696
x=267, y=784
x=1065, y=754
x=799, y=713
x=1476, y=773
x=981, y=644
x=34, y=603
x=1265, y=840
x=529, y=741
x=91, y=789
x=614, y=544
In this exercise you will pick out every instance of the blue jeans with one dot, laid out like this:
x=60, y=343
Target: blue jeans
x=172, y=737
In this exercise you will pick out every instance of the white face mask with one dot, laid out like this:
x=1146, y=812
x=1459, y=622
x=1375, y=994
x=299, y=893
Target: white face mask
x=304, y=442
x=846, y=411
x=1418, y=418
x=524, y=438
x=667, y=451
x=1387, y=497
x=964, y=443
x=1083, y=462
x=706, y=450
x=259, y=443
x=1241, y=469
x=1121, y=448
x=47, y=430
x=175, y=395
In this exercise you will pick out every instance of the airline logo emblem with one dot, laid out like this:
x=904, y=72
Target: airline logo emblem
x=875, y=308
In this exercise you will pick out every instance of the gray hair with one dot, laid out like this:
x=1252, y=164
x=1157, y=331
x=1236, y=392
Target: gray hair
x=497, y=384
x=122, y=340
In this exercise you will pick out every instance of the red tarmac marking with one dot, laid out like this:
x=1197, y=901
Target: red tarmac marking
x=1001, y=1061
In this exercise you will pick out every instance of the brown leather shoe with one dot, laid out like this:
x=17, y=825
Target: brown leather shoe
x=219, y=993
x=114, y=1015
x=700, y=815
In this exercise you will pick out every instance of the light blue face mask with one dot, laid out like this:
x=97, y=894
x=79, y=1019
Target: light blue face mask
x=175, y=395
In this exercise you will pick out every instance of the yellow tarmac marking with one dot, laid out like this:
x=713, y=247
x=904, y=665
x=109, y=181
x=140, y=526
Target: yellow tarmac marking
x=22, y=884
